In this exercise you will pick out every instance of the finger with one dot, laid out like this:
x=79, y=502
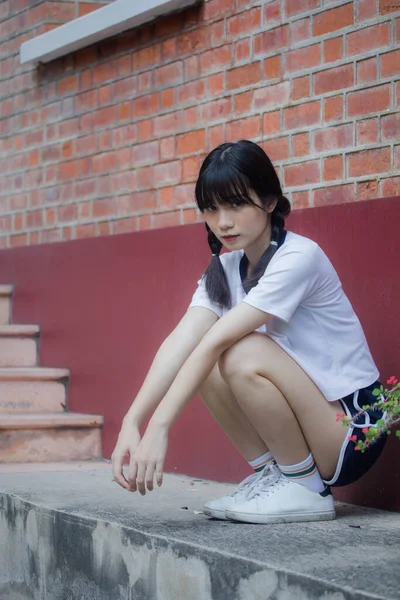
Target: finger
x=150, y=476
x=141, y=474
x=117, y=471
x=132, y=474
x=159, y=473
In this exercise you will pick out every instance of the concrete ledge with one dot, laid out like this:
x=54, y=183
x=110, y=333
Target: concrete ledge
x=75, y=534
x=96, y=26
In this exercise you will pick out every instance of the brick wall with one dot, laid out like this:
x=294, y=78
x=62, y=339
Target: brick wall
x=110, y=139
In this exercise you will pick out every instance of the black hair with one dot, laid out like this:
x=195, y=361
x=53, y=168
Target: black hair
x=228, y=175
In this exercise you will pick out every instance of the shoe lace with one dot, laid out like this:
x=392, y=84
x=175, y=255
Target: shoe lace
x=246, y=483
x=271, y=478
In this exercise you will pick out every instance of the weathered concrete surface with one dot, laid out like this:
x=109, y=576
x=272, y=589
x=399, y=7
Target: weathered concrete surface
x=75, y=535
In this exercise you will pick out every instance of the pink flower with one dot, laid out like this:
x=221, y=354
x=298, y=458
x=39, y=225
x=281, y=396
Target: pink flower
x=353, y=438
x=365, y=430
x=392, y=380
x=339, y=416
x=356, y=448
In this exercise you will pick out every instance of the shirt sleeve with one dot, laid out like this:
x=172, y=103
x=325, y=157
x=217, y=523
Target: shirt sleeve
x=287, y=281
x=201, y=298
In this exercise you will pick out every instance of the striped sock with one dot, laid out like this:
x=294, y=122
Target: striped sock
x=305, y=473
x=261, y=462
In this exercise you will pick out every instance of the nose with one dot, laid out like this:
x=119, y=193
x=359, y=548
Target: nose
x=225, y=220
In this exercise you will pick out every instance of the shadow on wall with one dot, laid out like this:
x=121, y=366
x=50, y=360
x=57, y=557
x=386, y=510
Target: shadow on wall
x=104, y=305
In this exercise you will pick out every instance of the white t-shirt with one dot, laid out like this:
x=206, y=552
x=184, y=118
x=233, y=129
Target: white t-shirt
x=315, y=323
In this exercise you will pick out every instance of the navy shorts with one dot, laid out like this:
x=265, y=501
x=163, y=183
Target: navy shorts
x=352, y=463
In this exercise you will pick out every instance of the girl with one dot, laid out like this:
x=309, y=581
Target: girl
x=272, y=345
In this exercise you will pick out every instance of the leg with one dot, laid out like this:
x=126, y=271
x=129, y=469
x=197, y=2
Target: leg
x=285, y=406
x=223, y=406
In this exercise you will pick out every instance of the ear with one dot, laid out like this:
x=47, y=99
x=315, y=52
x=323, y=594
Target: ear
x=271, y=207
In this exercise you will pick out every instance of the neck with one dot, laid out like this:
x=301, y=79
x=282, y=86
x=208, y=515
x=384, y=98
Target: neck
x=258, y=247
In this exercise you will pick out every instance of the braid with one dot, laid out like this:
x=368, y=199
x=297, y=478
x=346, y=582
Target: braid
x=216, y=282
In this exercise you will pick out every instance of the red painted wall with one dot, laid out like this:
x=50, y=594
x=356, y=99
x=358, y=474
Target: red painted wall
x=105, y=304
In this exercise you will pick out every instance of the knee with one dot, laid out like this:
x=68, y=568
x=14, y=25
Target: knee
x=238, y=361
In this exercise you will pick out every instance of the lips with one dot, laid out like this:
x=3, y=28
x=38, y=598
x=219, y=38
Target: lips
x=229, y=238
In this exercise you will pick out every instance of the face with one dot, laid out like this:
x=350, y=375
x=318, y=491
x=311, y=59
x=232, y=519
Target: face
x=239, y=226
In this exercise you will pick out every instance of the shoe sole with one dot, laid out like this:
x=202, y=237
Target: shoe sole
x=286, y=518
x=216, y=514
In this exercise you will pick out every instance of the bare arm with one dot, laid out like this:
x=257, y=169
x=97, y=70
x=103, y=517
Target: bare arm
x=168, y=361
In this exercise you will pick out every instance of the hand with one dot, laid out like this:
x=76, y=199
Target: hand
x=128, y=441
x=149, y=457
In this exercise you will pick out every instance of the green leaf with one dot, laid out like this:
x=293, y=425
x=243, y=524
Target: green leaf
x=376, y=392
x=398, y=433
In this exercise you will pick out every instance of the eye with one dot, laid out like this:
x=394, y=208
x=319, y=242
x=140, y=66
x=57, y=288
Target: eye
x=211, y=209
x=237, y=204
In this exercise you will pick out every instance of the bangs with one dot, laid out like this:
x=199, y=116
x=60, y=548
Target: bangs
x=221, y=184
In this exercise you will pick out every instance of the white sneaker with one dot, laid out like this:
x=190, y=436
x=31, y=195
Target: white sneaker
x=217, y=508
x=279, y=500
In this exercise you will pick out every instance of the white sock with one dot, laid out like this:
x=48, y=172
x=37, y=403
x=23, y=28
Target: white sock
x=305, y=473
x=258, y=464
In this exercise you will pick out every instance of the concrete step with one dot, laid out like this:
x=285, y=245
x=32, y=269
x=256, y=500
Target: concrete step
x=49, y=437
x=19, y=345
x=76, y=535
x=6, y=292
x=33, y=389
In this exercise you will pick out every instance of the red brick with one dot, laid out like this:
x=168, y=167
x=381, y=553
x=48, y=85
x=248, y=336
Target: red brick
x=167, y=148
x=273, y=67
x=18, y=240
x=293, y=7
x=271, y=40
x=216, y=136
x=243, y=129
x=34, y=219
x=367, y=9
x=167, y=219
x=217, y=33
x=147, y=57
x=167, y=98
x=191, y=67
x=397, y=157
x=143, y=223
x=390, y=63
x=216, y=110
x=277, y=148
x=102, y=163
x=398, y=30
x=302, y=115
x=390, y=127
x=68, y=85
x=364, y=102
x=333, y=109
x=216, y=59
x=191, y=117
x=216, y=84
x=301, y=144
x=302, y=173
x=367, y=70
x=242, y=102
x=340, y=136
x=304, y=58
x=193, y=141
x=244, y=22
x=145, y=154
x=165, y=196
x=242, y=50
x=197, y=39
x=367, y=190
x=124, y=111
x=388, y=6
x=333, y=49
x=301, y=87
x=271, y=122
x=169, y=49
x=190, y=167
x=169, y=74
x=300, y=200
x=167, y=124
x=104, y=71
x=300, y=30
x=104, y=207
x=369, y=38
x=192, y=91
x=68, y=170
x=390, y=187
x=184, y=194
x=243, y=76
x=334, y=19
x=337, y=194
x=104, y=117
x=333, y=168
x=367, y=131
x=190, y=216
x=272, y=95
x=368, y=162
x=84, y=231
x=272, y=13
x=337, y=78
